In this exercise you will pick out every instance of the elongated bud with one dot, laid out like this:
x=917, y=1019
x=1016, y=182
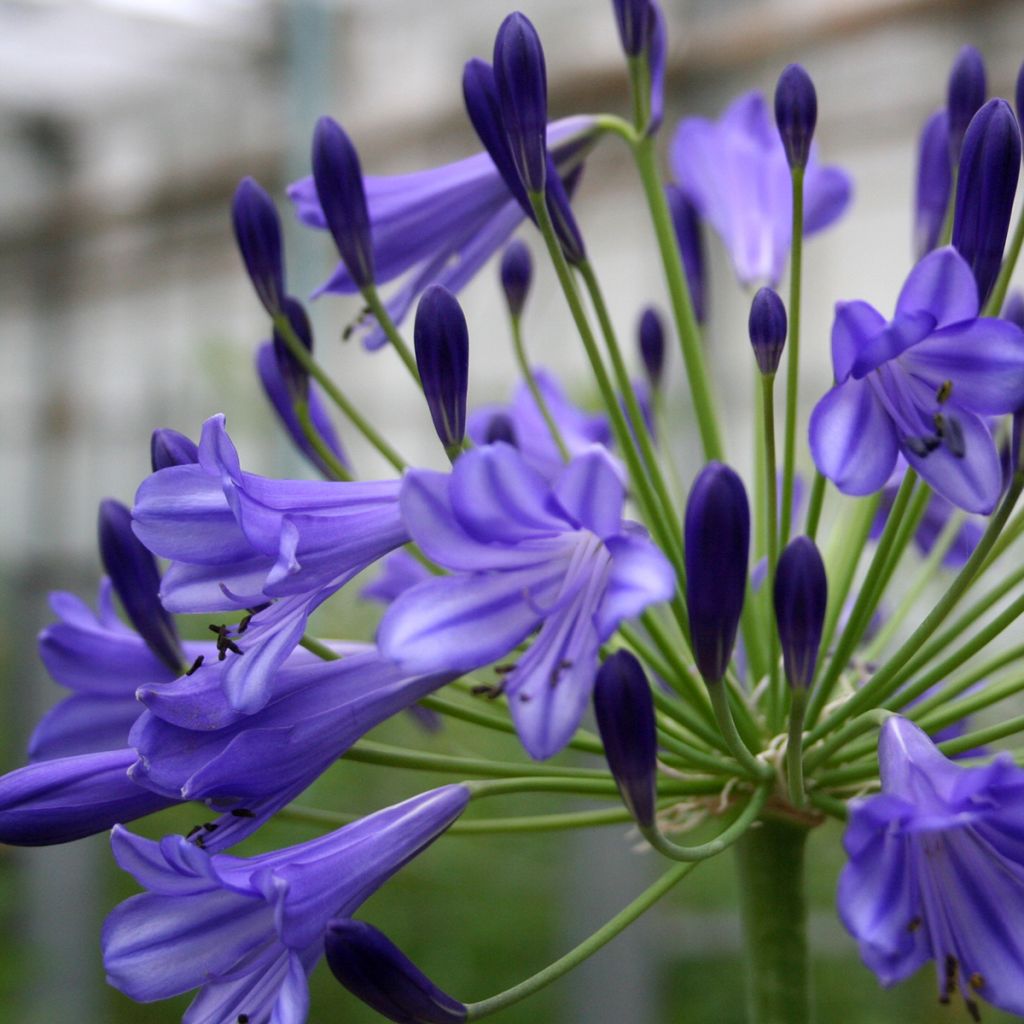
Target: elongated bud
x=690, y=239
x=136, y=580
x=376, y=971
x=339, y=187
x=986, y=185
x=1018, y=97
x=717, y=539
x=523, y=93
x=625, y=719
x=796, y=113
x=767, y=325
x=635, y=19
x=801, y=594
x=169, y=448
x=964, y=96
x=501, y=428
x=516, y=274
x=442, y=357
x=934, y=183
x=258, y=233
x=557, y=196
x=651, y=339
x=293, y=373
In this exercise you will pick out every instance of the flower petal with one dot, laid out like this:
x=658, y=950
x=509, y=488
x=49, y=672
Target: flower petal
x=855, y=324
x=941, y=284
x=590, y=489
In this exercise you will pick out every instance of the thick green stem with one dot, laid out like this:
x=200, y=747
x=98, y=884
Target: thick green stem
x=770, y=863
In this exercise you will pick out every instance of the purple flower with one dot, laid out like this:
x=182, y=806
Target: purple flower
x=936, y=871
x=651, y=342
x=398, y=572
x=442, y=358
x=524, y=554
x=934, y=183
x=965, y=94
x=690, y=239
x=241, y=541
x=579, y=429
x=796, y=113
x=735, y=172
x=801, y=594
x=916, y=386
x=247, y=932
x=441, y=225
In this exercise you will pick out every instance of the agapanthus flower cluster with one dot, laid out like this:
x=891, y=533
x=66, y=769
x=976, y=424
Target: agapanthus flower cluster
x=760, y=655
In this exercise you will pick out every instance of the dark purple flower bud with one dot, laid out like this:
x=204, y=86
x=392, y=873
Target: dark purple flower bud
x=169, y=448
x=986, y=185
x=635, y=19
x=516, y=274
x=136, y=580
x=690, y=238
x=293, y=373
x=796, y=113
x=651, y=336
x=1019, y=97
x=258, y=233
x=557, y=195
x=501, y=428
x=376, y=971
x=523, y=92
x=964, y=96
x=339, y=187
x=442, y=356
x=767, y=325
x=801, y=594
x=1013, y=309
x=625, y=719
x=717, y=539
x=934, y=183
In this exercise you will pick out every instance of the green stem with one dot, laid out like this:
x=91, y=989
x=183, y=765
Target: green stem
x=814, y=505
x=338, y=470
x=795, y=747
x=775, y=693
x=770, y=864
x=720, y=702
x=531, y=382
x=587, y=948
x=379, y=310
x=996, y=299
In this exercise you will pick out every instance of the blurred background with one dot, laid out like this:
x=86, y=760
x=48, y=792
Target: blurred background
x=125, y=126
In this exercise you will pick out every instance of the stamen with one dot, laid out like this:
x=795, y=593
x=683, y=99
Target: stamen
x=915, y=923
x=945, y=390
x=196, y=664
x=242, y=812
x=977, y=981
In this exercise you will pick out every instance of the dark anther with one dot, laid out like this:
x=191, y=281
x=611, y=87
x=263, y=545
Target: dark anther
x=945, y=390
x=490, y=692
x=242, y=812
x=195, y=664
x=352, y=327
x=503, y=670
x=243, y=624
x=915, y=923
x=194, y=830
x=524, y=698
x=211, y=826
x=224, y=642
x=921, y=446
x=977, y=982
x=243, y=1018
x=972, y=1009
x=953, y=435
x=949, y=983
x=200, y=841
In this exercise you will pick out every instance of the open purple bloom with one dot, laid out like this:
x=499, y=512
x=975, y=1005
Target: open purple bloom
x=936, y=871
x=525, y=554
x=247, y=932
x=918, y=386
x=241, y=541
x=441, y=225
x=735, y=172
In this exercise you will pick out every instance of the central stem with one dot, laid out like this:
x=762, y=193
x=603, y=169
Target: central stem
x=770, y=865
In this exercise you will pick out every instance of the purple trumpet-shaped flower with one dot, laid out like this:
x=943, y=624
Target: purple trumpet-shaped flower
x=936, y=871
x=499, y=427
x=441, y=225
x=918, y=386
x=736, y=174
x=339, y=190
x=717, y=546
x=241, y=541
x=767, y=325
x=801, y=595
x=398, y=572
x=525, y=554
x=579, y=429
x=516, y=274
x=258, y=233
x=690, y=239
x=964, y=96
x=651, y=342
x=796, y=113
x=193, y=745
x=170, y=448
x=442, y=357
x=625, y=718
x=247, y=932
x=376, y=971
x=934, y=183
x=985, y=187
x=523, y=95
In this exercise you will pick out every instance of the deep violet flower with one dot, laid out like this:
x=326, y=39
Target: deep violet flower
x=965, y=93
x=277, y=548
x=735, y=172
x=441, y=225
x=918, y=386
x=934, y=183
x=247, y=932
x=936, y=871
x=523, y=553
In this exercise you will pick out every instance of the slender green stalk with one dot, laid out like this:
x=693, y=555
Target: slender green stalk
x=795, y=747
x=338, y=470
x=830, y=805
x=720, y=702
x=792, y=353
x=996, y=299
x=980, y=737
x=320, y=649
x=587, y=948
x=873, y=719
x=775, y=695
x=531, y=382
x=955, y=687
x=379, y=310
x=814, y=504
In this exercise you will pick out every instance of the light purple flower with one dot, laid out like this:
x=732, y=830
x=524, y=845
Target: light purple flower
x=918, y=386
x=398, y=572
x=936, y=871
x=439, y=226
x=524, y=553
x=735, y=172
x=247, y=932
